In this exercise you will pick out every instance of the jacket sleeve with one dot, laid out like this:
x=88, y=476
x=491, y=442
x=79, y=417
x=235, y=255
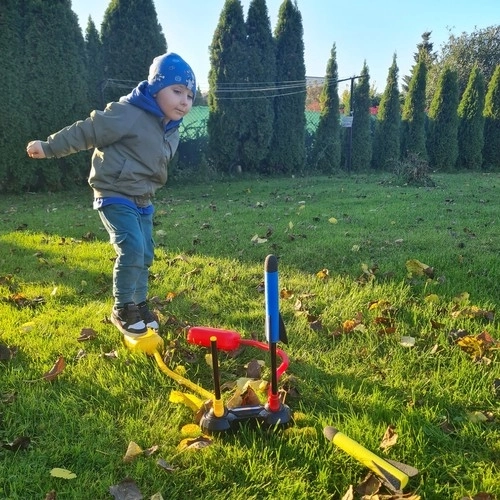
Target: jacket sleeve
x=100, y=129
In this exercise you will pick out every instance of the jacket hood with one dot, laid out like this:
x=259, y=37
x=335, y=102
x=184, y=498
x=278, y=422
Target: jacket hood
x=142, y=98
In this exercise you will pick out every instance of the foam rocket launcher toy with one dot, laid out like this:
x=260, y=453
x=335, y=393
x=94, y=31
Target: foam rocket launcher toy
x=219, y=418
x=395, y=475
x=274, y=412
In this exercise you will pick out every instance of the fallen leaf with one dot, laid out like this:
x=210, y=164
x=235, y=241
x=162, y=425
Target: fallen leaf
x=150, y=451
x=257, y=385
x=87, y=334
x=190, y=400
x=8, y=398
x=254, y=369
x=349, y=494
x=165, y=466
x=496, y=387
x=472, y=345
x=133, y=451
x=390, y=438
x=80, y=354
x=56, y=369
x=417, y=268
x=256, y=239
x=369, y=487
x=5, y=352
x=157, y=496
x=62, y=473
x=382, y=305
x=323, y=274
x=480, y=496
x=20, y=443
x=477, y=417
x=195, y=444
x=463, y=298
x=126, y=490
x=51, y=495
x=110, y=355
x=249, y=397
x=209, y=359
x=407, y=341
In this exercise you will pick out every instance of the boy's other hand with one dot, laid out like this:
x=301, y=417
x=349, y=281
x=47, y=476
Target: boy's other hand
x=35, y=150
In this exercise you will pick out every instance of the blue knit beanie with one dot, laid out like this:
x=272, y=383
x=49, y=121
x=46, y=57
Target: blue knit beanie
x=170, y=69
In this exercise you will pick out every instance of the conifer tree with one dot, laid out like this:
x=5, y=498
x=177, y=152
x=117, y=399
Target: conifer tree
x=95, y=66
x=361, y=128
x=442, y=141
x=288, y=144
x=491, y=151
x=55, y=86
x=326, y=147
x=386, y=148
x=227, y=86
x=258, y=116
x=131, y=38
x=425, y=52
x=16, y=108
x=413, y=116
x=471, y=122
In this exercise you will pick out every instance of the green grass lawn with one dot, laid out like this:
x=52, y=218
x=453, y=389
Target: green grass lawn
x=388, y=293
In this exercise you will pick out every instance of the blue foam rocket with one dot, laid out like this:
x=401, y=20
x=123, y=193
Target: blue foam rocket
x=275, y=327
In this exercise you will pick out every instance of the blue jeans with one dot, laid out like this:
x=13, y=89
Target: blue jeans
x=131, y=234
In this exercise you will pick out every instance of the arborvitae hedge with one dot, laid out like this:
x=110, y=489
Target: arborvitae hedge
x=95, y=66
x=227, y=80
x=258, y=116
x=442, y=142
x=491, y=151
x=131, y=38
x=413, y=117
x=14, y=118
x=361, y=124
x=325, y=155
x=386, y=146
x=288, y=145
x=471, y=122
x=52, y=78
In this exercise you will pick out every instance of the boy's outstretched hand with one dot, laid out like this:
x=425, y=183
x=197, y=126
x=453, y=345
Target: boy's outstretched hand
x=35, y=150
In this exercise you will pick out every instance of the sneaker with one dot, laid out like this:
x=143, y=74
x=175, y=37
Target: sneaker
x=128, y=320
x=149, y=318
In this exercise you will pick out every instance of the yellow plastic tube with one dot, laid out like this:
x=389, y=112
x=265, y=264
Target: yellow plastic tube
x=180, y=379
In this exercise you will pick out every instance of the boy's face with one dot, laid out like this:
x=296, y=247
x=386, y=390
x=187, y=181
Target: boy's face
x=175, y=101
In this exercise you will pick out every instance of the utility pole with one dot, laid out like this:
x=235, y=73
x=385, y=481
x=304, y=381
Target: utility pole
x=349, y=121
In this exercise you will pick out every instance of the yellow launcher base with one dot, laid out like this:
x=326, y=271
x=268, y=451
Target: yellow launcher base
x=149, y=343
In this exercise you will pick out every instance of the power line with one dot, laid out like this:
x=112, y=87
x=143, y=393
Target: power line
x=267, y=90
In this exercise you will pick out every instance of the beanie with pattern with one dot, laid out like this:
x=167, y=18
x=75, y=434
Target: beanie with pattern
x=170, y=69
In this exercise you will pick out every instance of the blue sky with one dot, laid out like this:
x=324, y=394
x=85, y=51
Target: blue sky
x=363, y=30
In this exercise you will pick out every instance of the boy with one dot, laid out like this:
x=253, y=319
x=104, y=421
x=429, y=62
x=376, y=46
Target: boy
x=133, y=141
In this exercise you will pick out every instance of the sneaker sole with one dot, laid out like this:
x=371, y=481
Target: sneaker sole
x=116, y=321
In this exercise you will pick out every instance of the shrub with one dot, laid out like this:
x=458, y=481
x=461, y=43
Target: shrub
x=413, y=170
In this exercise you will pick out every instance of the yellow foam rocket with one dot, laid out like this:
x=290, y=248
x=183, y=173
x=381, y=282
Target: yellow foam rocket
x=395, y=475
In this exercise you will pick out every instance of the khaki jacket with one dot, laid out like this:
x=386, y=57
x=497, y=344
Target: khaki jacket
x=131, y=150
